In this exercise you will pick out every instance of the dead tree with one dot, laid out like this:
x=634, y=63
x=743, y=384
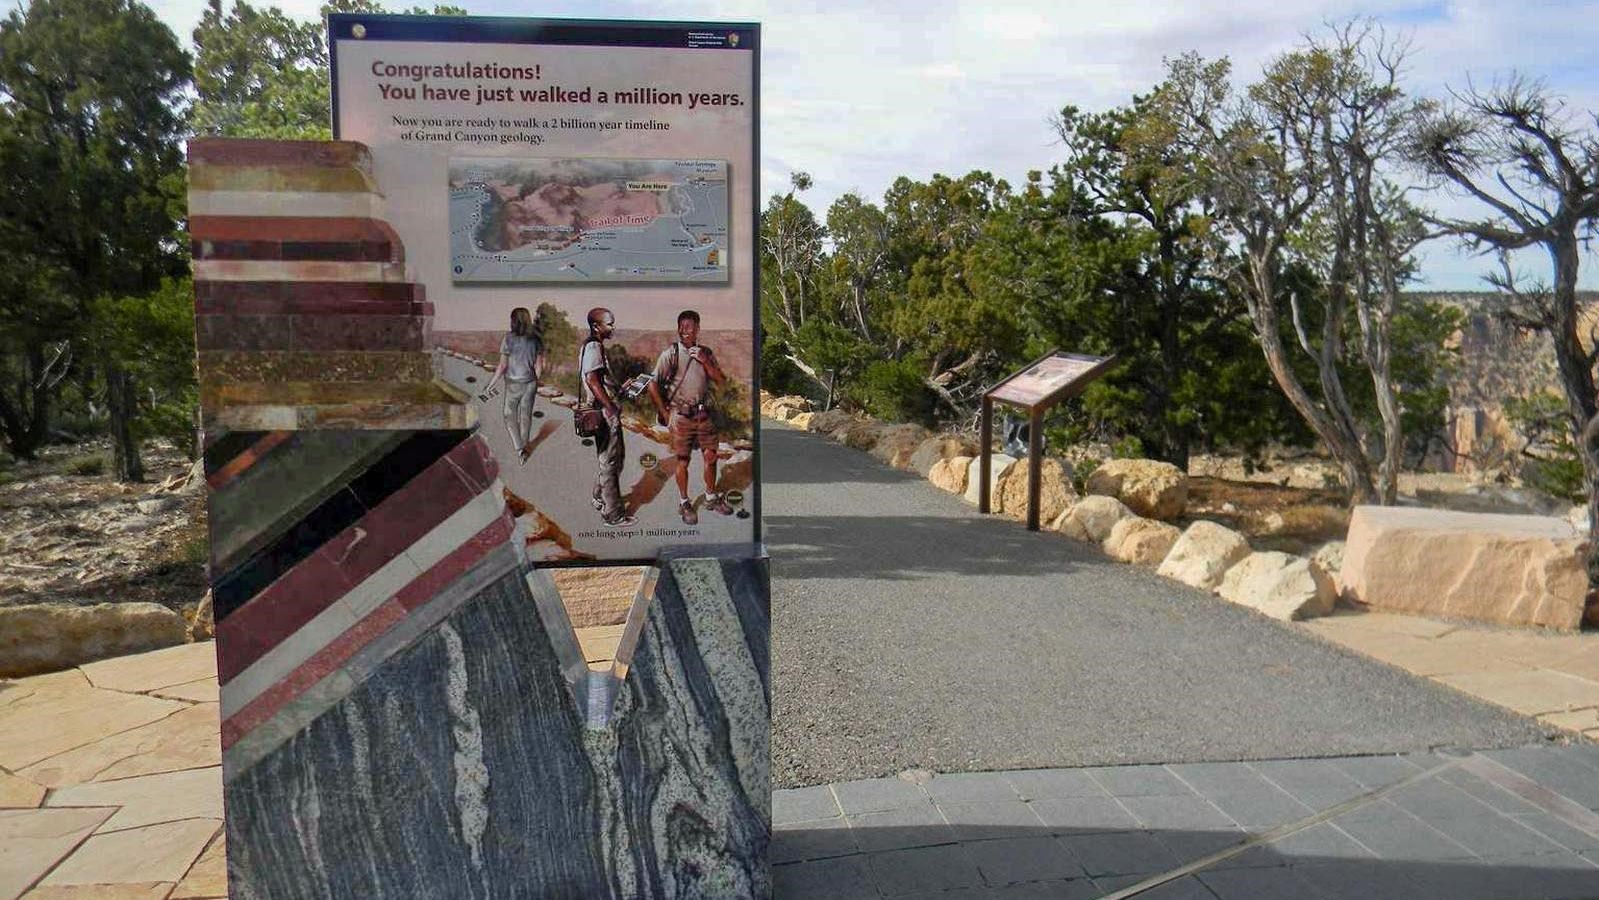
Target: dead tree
x=1517, y=150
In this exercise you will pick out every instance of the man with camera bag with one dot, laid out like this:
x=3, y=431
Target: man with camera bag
x=601, y=412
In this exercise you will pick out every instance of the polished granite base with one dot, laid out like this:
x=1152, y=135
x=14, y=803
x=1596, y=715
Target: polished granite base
x=462, y=766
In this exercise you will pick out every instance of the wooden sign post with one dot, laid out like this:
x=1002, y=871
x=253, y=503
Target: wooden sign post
x=1044, y=382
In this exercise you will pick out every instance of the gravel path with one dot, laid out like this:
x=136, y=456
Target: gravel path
x=907, y=631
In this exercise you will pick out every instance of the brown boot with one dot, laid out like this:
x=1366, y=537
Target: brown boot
x=718, y=503
x=686, y=509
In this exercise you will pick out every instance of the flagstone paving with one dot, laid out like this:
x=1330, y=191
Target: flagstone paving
x=113, y=774
x=1551, y=677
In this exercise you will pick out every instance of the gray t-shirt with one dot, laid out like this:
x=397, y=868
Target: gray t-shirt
x=590, y=358
x=519, y=352
x=686, y=385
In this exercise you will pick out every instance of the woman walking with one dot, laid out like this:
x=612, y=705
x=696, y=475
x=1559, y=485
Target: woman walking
x=521, y=365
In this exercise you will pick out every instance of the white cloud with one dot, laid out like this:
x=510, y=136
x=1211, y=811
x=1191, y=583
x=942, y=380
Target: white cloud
x=858, y=95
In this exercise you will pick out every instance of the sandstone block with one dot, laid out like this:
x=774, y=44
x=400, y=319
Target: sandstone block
x=48, y=637
x=1140, y=541
x=1203, y=555
x=897, y=443
x=938, y=447
x=1156, y=490
x=1092, y=518
x=1055, y=491
x=1280, y=585
x=802, y=421
x=950, y=474
x=1000, y=464
x=1510, y=570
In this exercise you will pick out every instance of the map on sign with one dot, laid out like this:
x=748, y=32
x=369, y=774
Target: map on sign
x=1036, y=383
x=589, y=220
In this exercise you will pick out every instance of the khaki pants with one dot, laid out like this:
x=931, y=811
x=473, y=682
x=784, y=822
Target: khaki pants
x=519, y=399
x=609, y=452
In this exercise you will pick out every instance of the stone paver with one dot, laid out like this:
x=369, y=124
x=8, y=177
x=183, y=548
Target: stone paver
x=154, y=853
x=145, y=672
x=1553, y=677
x=187, y=739
x=208, y=877
x=34, y=840
x=150, y=799
x=17, y=792
x=77, y=713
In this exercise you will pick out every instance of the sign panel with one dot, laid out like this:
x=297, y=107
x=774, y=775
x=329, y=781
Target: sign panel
x=1046, y=378
x=579, y=200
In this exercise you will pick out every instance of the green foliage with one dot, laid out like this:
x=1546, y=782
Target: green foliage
x=559, y=335
x=893, y=389
x=151, y=337
x=260, y=73
x=91, y=124
x=87, y=465
x=730, y=410
x=1549, y=461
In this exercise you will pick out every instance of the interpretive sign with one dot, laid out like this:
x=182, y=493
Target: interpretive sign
x=578, y=199
x=1044, y=382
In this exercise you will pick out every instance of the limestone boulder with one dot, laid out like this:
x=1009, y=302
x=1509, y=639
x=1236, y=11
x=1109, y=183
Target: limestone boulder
x=1203, y=555
x=1155, y=490
x=939, y=447
x=1329, y=557
x=802, y=421
x=950, y=474
x=1092, y=518
x=1140, y=541
x=1055, y=491
x=1000, y=464
x=47, y=637
x=826, y=423
x=1509, y=570
x=1281, y=585
x=896, y=444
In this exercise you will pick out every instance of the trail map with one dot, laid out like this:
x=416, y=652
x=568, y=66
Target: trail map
x=589, y=220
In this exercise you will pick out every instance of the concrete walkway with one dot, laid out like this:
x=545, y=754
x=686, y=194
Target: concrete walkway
x=1504, y=825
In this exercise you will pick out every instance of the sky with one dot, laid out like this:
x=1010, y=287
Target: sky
x=859, y=94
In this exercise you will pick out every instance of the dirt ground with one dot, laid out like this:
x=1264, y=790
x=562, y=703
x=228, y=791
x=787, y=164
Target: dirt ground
x=70, y=533
x=1272, y=516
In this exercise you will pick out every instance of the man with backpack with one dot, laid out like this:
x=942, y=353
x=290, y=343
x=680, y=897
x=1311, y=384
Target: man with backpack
x=599, y=395
x=684, y=373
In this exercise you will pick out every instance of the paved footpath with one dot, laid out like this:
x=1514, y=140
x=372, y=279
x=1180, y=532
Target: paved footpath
x=909, y=632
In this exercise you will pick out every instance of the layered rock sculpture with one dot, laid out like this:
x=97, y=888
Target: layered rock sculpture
x=1203, y=555
x=1509, y=570
x=1155, y=490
